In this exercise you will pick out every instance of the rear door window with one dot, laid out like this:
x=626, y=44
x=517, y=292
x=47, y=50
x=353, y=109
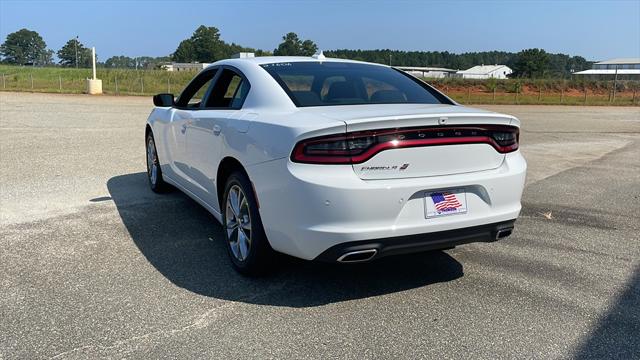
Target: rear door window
x=229, y=91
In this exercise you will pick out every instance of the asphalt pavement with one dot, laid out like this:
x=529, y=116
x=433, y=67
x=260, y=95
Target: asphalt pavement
x=95, y=265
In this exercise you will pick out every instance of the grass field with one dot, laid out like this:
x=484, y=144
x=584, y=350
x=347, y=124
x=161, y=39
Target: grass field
x=72, y=81
x=553, y=98
x=149, y=82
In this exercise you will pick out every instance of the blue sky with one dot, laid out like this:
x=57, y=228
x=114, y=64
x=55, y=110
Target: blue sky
x=593, y=29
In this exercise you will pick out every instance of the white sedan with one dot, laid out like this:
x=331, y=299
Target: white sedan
x=334, y=160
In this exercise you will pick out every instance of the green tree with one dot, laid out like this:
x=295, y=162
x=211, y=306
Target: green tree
x=67, y=54
x=24, y=47
x=309, y=48
x=140, y=62
x=149, y=62
x=120, y=62
x=260, y=52
x=577, y=63
x=559, y=64
x=204, y=45
x=184, y=52
x=531, y=63
x=207, y=45
x=292, y=46
x=47, y=57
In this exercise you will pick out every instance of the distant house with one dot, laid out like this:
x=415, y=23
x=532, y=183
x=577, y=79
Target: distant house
x=485, y=72
x=623, y=69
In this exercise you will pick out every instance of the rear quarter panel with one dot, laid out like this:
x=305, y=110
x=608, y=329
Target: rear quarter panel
x=272, y=136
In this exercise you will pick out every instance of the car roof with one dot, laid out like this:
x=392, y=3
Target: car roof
x=261, y=60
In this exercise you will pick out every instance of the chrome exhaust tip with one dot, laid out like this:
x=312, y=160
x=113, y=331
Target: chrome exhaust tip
x=503, y=233
x=358, y=256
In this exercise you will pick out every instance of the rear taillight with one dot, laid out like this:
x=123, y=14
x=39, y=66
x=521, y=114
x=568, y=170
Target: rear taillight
x=358, y=147
x=323, y=150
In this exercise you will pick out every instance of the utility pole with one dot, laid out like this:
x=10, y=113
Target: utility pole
x=76, y=51
x=615, y=83
x=93, y=57
x=94, y=85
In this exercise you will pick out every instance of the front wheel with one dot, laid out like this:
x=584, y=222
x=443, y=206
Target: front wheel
x=154, y=173
x=247, y=243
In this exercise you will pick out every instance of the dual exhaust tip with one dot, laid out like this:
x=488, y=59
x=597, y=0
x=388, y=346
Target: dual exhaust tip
x=368, y=254
x=358, y=256
x=503, y=233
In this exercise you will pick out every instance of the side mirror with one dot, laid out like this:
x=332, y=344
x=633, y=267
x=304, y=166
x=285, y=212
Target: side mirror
x=163, y=100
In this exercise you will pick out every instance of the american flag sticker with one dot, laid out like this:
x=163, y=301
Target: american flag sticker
x=448, y=202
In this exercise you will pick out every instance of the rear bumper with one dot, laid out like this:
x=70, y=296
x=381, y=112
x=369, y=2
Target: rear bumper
x=417, y=243
x=307, y=209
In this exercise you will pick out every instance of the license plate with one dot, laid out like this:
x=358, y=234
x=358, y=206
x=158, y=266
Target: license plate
x=445, y=202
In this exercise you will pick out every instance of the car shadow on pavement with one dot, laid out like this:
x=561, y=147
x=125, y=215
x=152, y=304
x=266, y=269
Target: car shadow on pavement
x=185, y=244
x=617, y=335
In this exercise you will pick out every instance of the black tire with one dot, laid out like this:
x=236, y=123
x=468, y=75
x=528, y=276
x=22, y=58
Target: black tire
x=259, y=258
x=156, y=183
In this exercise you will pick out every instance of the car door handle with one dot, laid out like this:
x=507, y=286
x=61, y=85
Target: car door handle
x=216, y=130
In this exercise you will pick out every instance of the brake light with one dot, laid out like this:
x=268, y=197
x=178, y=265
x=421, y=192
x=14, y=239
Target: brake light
x=358, y=147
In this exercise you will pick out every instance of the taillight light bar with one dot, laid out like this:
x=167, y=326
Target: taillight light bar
x=358, y=147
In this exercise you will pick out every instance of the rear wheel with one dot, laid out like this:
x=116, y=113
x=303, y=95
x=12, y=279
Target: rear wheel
x=154, y=173
x=247, y=243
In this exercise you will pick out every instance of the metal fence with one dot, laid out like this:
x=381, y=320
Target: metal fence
x=149, y=82
x=587, y=96
x=113, y=83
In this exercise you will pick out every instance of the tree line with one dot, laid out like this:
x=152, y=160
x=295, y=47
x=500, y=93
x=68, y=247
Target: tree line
x=205, y=45
x=529, y=63
x=26, y=47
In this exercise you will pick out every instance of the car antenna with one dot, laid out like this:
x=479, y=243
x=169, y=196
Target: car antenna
x=319, y=56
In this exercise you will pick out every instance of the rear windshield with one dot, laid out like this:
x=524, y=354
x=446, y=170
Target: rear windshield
x=316, y=83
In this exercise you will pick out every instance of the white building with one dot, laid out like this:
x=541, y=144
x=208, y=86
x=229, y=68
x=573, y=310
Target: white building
x=243, y=55
x=185, y=66
x=485, y=72
x=427, y=72
x=199, y=66
x=623, y=69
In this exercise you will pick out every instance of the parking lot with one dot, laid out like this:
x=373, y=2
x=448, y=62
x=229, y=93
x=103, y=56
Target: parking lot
x=93, y=264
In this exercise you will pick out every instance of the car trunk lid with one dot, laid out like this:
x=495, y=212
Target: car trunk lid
x=422, y=140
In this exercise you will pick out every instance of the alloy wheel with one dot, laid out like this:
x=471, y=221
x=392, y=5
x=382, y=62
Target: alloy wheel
x=152, y=162
x=238, y=223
